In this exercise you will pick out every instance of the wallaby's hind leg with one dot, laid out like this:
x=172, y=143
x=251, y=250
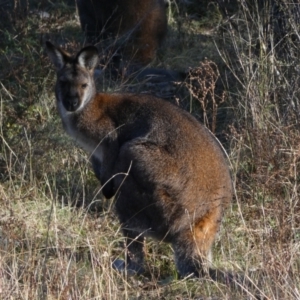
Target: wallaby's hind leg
x=192, y=247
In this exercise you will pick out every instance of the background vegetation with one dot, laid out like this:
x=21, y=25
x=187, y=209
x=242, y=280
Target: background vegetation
x=57, y=233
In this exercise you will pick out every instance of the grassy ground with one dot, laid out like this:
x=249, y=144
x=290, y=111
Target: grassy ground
x=58, y=235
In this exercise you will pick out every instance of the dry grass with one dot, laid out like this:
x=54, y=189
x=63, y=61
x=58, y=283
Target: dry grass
x=58, y=235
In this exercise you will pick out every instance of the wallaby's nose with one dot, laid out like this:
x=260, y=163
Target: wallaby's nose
x=71, y=104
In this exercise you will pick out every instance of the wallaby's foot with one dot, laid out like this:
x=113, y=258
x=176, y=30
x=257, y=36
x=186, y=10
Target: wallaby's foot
x=131, y=269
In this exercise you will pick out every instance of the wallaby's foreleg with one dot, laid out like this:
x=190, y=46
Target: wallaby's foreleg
x=103, y=168
x=132, y=219
x=106, y=182
x=134, y=255
x=134, y=252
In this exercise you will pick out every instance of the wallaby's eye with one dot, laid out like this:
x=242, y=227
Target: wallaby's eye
x=84, y=85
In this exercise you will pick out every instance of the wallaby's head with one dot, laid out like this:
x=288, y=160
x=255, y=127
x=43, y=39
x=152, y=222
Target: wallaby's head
x=75, y=83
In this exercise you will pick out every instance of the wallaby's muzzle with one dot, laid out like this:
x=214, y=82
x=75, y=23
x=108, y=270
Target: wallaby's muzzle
x=71, y=103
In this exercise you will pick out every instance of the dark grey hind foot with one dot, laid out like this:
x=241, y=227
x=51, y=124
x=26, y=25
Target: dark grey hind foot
x=131, y=269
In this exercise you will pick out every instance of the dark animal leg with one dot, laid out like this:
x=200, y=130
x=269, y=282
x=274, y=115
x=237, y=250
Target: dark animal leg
x=134, y=254
x=192, y=246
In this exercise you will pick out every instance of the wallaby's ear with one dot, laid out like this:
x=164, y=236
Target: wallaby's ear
x=88, y=57
x=57, y=56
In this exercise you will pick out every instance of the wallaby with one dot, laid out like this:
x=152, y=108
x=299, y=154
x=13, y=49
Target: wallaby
x=168, y=173
x=139, y=26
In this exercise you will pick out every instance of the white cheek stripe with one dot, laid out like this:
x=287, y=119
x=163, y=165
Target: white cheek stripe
x=85, y=100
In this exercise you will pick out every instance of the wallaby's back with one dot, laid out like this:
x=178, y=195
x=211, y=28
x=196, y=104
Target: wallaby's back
x=140, y=26
x=167, y=171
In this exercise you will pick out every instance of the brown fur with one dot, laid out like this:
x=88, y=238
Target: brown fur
x=140, y=26
x=173, y=181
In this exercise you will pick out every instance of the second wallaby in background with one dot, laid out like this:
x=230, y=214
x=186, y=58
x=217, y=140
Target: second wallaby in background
x=137, y=27
x=168, y=173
